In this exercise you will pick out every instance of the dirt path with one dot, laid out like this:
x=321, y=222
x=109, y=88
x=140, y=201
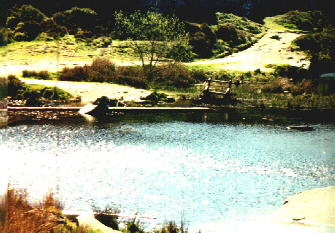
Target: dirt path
x=272, y=48
x=91, y=91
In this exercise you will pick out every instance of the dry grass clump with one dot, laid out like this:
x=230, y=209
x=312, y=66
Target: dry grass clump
x=281, y=85
x=44, y=75
x=17, y=215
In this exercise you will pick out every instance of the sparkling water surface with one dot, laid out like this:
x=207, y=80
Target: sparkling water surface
x=196, y=170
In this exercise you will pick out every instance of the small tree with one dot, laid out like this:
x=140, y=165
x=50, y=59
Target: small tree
x=152, y=37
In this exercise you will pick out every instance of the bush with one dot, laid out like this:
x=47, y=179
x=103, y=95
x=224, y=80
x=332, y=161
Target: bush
x=20, y=216
x=102, y=42
x=321, y=48
x=174, y=75
x=172, y=227
x=181, y=52
x=52, y=29
x=101, y=70
x=27, y=31
x=36, y=74
x=303, y=20
x=294, y=72
x=15, y=86
x=78, y=73
x=25, y=13
x=201, y=44
x=5, y=36
x=229, y=33
x=75, y=18
x=240, y=23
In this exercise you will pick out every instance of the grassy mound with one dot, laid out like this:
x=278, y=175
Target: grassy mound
x=34, y=94
x=302, y=20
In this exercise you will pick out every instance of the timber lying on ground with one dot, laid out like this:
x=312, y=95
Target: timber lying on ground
x=118, y=109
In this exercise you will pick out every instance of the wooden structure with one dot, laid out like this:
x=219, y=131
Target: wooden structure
x=120, y=109
x=218, y=91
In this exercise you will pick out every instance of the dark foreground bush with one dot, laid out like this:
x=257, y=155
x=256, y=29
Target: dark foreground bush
x=18, y=215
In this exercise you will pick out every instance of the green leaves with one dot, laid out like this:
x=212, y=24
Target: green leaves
x=152, y=37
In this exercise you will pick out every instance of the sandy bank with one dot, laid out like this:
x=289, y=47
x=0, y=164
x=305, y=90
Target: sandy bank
x=91, y=91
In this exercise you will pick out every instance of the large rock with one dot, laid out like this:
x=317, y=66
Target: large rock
x=312, y=207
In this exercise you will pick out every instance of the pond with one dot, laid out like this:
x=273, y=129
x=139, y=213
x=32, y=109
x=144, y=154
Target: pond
x=202, y=168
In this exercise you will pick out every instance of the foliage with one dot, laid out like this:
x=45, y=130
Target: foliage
x=160, y=32
x=173, y=75
x=155, y=97
x=36, y=74
x=25, y=13
x=133, y=226
x=77, y=18
x=285, y=70
x=240, y=23
x=202, y=46
x=19, y=90
x=303, y=20
x=5, y=36
x=18, y=215
x=321, y=48
x=170, y=75
x=172, y=227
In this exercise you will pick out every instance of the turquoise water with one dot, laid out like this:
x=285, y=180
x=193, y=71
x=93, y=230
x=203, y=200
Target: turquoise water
x=197, y=168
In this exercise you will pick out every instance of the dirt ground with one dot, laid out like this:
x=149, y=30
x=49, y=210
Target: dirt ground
x=272, y=48
x=91, y=91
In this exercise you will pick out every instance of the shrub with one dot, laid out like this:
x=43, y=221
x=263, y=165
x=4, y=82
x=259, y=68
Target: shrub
x=172, y=227
x=25, y=13
x=101, y=70
x=181, y=52
x=78, y=73
x=303, y=20
x=27, y=31
x=23, y=217
x=294, y=72
x=5, y=36
x=277, y=86
x=321, y=48
x=20, y=216
x=102, y=42
x=52, y=29
x=75, y=18
x=240, y=23
x=15, y=86
x=201, y=44
x=155, y=97
x=174, y=75
x=36, y=74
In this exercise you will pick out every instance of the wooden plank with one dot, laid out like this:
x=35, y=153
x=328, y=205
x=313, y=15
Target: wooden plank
x=44, y=108
x=117, y=109
x=159, y=109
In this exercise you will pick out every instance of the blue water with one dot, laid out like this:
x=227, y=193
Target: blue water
x=196, y=170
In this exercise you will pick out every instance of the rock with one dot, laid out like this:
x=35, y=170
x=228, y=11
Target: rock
x=314, y=207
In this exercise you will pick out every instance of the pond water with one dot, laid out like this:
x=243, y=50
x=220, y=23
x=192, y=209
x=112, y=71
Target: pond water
x=201, y=169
